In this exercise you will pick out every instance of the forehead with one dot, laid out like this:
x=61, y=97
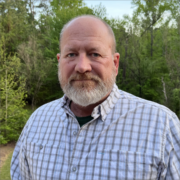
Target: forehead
x=88, y=30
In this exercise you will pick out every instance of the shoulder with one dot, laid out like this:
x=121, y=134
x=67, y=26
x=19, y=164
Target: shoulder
x=49, y=107
x=140, y=102
x=155, y=115
x=43, y=117
x=47, y=111
x=149, y=111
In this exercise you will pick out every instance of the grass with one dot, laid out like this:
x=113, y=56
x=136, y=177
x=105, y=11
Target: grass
x=5, y=169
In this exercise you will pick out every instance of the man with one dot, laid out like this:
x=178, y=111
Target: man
x=96, y=131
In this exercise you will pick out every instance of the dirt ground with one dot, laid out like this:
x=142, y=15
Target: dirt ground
x=5, y=150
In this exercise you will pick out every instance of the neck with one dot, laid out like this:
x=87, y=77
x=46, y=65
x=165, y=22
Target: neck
x=82, y=111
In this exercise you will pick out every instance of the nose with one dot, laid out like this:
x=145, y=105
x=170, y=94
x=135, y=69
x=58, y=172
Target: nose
x=83, y=64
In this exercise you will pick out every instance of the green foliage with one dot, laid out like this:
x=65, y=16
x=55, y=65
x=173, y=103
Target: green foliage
x=65, y=4
x=172, y=56
x=12, y=94
x=34, y=67
x=141, y=47
x=13, y=23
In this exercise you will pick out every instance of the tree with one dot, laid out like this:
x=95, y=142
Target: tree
x=12, y=95
x=13, y=23
x=34, y=67
x=171, y=49
x=151, y=13
x=143, y=64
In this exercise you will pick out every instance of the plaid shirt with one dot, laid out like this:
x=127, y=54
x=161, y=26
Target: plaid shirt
x=129, y=138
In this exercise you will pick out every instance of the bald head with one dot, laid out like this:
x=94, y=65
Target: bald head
x=93, y=22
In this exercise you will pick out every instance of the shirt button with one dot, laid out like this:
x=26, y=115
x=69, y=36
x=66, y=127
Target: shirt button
x=41, y=146
x=74, y=133
x=74, y=169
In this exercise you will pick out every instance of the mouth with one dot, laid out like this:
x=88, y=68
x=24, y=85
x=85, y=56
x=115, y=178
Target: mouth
x=85, y=78
x=82, y=80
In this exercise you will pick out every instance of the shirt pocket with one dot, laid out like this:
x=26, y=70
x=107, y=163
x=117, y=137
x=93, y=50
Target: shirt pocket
x=43, y=159
x=118, y=164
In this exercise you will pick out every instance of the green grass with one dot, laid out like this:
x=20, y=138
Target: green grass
x=5, y=169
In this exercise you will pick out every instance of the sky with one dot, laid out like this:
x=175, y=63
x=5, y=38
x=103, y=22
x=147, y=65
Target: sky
x=114, y=8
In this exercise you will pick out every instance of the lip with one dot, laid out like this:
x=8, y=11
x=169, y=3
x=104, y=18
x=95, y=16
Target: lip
x=83, y=80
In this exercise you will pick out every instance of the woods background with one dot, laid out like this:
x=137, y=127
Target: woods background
x=149, y=44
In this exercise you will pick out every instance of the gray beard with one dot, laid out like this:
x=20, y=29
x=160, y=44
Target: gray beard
x=83, y=96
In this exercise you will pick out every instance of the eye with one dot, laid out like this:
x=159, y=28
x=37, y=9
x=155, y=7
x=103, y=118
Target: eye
x=71, y=55
x=95, y=55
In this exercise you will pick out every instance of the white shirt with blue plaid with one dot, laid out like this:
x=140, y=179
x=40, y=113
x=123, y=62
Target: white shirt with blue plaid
x=129, y=138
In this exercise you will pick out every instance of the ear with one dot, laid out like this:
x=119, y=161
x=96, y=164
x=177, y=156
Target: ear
x=58, y=57
x=116, y=62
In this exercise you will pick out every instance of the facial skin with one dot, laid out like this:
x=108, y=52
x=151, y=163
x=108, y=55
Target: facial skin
x=86, y=62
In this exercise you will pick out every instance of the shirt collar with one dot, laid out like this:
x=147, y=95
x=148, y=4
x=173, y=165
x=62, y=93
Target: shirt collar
x=102, y=109
x=106, y=106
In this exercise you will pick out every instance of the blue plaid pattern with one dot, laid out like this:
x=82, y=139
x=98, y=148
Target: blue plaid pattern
x=129, y=138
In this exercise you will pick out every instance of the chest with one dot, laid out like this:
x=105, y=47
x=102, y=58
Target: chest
x=118, y=150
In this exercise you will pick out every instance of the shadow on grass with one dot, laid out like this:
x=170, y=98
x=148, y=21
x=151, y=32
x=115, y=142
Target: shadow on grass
x=5, y=169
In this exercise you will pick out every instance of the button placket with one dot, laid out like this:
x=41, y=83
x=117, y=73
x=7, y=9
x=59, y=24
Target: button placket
x=74, y=133
x=74, y=169
x=41, y=146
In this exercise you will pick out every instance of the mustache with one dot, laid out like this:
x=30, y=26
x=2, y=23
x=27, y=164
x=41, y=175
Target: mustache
x=84, y=76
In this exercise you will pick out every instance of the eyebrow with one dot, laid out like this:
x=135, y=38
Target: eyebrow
x=70, y=49
x=94, y=49
x=89, y=49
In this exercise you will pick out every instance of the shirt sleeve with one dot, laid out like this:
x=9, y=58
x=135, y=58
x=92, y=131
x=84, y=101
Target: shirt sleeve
x=172, y=150
x=19, y=166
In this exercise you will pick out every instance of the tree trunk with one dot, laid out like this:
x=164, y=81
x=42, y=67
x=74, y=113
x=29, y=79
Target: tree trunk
x=32, y=104
x=5, y=133
x=151, y=42
x=179, y=105
x=125, y=58
x=164, y=90
x=139, y=72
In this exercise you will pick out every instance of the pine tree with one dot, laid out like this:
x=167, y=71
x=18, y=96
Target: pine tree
x=12, y=94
